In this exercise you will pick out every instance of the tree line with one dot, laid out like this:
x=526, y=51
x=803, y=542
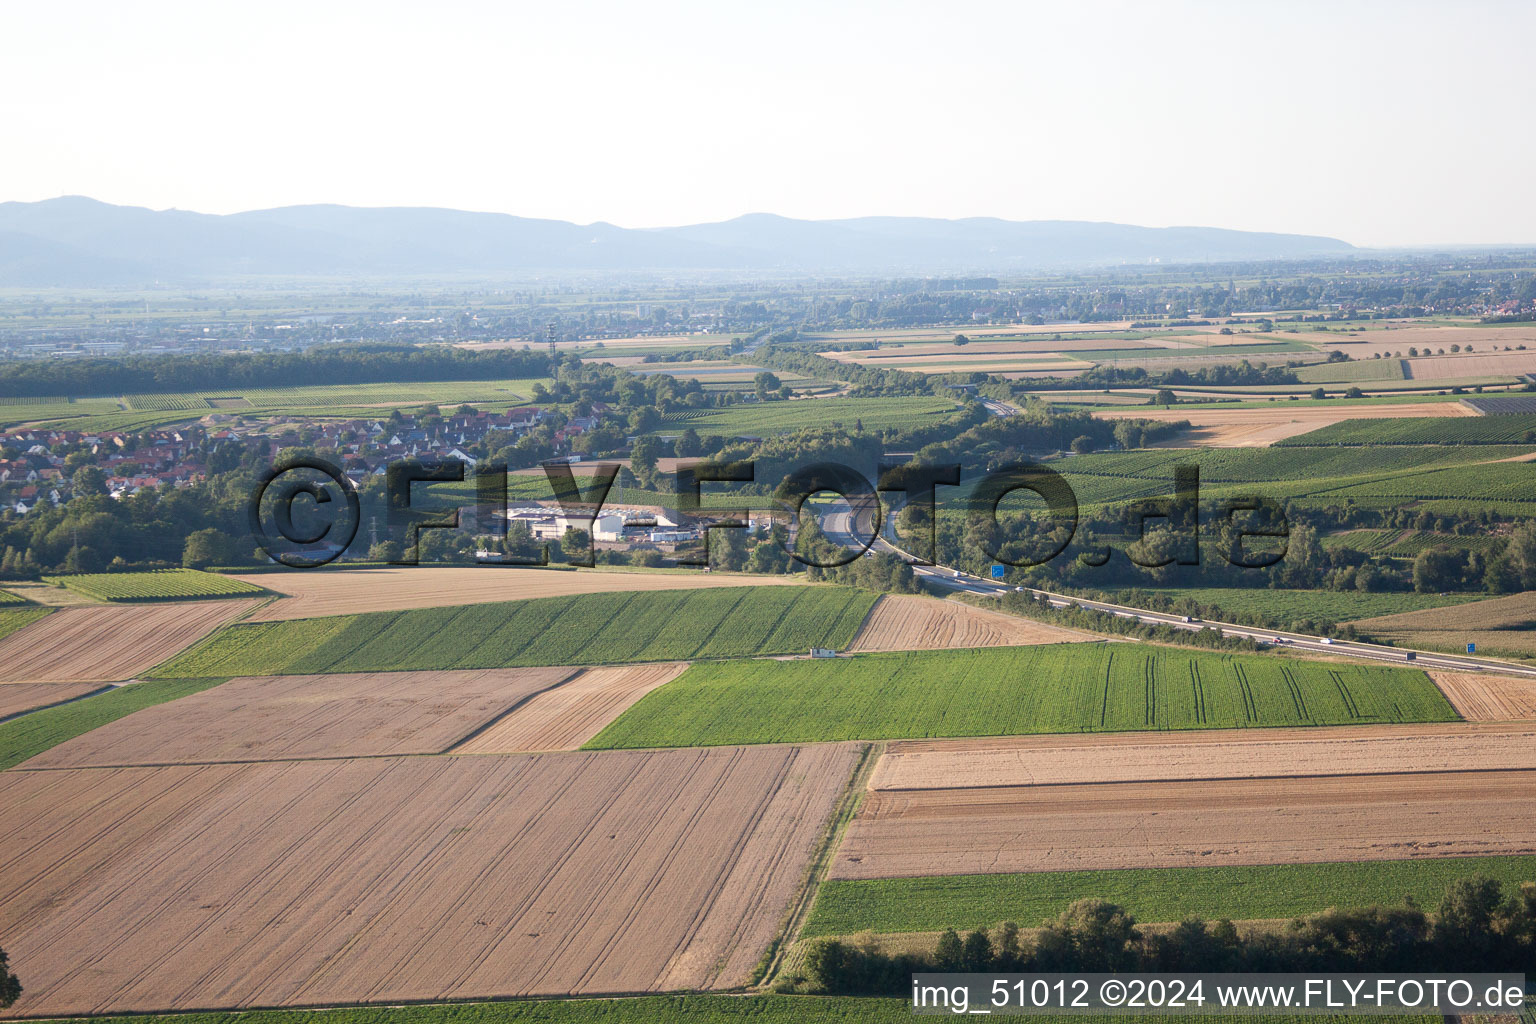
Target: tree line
x=329, y=365
x=1478, y=926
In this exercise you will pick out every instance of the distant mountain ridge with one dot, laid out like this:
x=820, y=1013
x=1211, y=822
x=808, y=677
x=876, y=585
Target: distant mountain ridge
x=74, y=241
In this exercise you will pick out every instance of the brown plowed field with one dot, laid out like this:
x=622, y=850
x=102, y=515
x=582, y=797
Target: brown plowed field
x=343, y=592
x=573, y=712
x=1247, y=428
x=1497, y=625
x=274, y=718
x=1450, y=367
x=1218, y=754
x=910, y=623
x=18, y=697
x=104, y=643
x=1194, y=823
x=1484, y=698
x=397, y=879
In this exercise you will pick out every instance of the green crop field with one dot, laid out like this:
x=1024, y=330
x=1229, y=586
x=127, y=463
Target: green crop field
x=1318, y=476
x=676, y=1009
x=6, y=597
x=1014, y=691
x=1370, y=541
x=1289, y=605
x=1151, y=894
x=146, y=411
x=1422, y=430
x=13, y=618
x=761, y=419
x=1412, y=544
x=1353, y=371
x=31, y=734
x=167, y=403
x=588, y=629
x=160, y=585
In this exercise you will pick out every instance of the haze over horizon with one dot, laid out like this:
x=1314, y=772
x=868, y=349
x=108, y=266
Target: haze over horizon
x=1190, y=114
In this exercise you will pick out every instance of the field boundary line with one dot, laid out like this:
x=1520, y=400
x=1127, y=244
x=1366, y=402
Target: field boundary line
x=57, y=703
x=516, y=706
x=865, y=623
x=821, y=863
x=1410, y=772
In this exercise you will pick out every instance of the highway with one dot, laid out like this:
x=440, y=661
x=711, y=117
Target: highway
x=838, y=527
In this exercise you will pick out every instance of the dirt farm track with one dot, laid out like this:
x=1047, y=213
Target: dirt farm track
x=396, y=879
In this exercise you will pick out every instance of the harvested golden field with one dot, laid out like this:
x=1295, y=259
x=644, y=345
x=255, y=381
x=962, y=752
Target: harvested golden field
x=1049, y=367
x=1399, y=338
x=399, y=879
x=1483, y=698
x=1501, y=624
x=978, y=333
x=108, y=643
x=1450, y=367
x=1222, y=754
x=18, y=697
x=905, y=622
x=1024, y=349
x=570, y=714
x=278, y=718
x=1246, y=428
x=344, y=592
x=1189, y=823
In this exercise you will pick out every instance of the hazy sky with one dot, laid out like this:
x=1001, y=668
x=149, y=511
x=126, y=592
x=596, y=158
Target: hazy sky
x=1387, y=123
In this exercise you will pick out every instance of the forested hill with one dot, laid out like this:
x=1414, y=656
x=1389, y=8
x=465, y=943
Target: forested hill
x=73, y=241
x=353, y=364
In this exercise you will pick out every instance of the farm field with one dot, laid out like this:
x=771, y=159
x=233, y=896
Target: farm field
x=274, y=718
x=346, y=592
x=1385, y=477
x=1478, y=697
x=14, y=617
x=1500, y=626
x=1247, y=892
x=106, y=643
x=161, y=585
x=763, y=419
x=1287, y=606
x=1355, y=371
x=674, y=1009
x=17, y=698
x=918, y=765
x=33, y=733
x=1504, y=364
x=1244, y=428
x=1422, y=430
x=905, y=622
x=582, y=629
x=572, y=713
x=647, y=871
x=1188, y=823
x=146, y=410
x=1071, y=688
